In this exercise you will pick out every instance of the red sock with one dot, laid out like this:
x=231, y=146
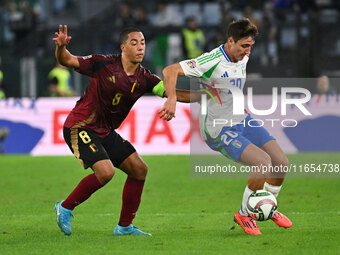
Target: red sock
x=132, y=194
x=83, y=191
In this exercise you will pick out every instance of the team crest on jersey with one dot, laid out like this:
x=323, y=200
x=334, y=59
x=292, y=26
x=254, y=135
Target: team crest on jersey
x=237, y=144
x=87, y=57
x=191, y=63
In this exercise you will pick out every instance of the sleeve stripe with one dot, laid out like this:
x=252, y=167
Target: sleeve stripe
x=208, y=58
x=201, y=58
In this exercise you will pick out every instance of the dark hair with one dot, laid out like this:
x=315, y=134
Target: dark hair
x=125, y=33
x=241, y=28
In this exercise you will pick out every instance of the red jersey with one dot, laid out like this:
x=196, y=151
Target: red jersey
x=111, y=93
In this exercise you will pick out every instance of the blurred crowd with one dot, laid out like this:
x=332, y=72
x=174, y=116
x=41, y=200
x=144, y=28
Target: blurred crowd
x=216, y=12
x=174, y=29
x=19, y=17
x=211, y=19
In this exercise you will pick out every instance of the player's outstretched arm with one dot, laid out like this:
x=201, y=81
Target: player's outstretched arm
x=170, y=74
x=186, y=96
x=63, y=56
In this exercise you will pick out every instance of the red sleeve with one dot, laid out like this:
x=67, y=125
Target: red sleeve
x=87, y=64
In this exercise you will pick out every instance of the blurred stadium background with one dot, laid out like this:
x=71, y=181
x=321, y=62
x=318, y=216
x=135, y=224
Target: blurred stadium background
x=299, y=39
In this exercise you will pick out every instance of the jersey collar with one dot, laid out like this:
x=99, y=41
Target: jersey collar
x=224, y=53
x=121, y=65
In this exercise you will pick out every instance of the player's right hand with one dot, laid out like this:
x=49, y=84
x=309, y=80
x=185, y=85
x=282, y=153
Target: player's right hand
x=61, y=38
x=168, y=110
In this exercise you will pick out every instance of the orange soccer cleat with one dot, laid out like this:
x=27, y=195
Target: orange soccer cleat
x=281, y=220
x=248, y=224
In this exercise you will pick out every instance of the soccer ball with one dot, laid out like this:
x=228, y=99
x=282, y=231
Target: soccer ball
x=261, y=205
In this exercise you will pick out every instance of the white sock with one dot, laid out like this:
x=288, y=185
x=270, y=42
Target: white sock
x=246, y=194
x=271, y=188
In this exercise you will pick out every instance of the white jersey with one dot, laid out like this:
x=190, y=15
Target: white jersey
x=216, y=67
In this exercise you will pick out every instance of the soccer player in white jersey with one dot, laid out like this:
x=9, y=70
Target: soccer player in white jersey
x=251, y=146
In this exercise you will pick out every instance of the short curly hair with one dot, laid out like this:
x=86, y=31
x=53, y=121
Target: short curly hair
x=242, y=28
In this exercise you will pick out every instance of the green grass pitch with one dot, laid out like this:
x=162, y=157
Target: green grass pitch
x=185, y=215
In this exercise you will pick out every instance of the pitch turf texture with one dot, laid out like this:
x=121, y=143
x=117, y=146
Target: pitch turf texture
x=185, y=215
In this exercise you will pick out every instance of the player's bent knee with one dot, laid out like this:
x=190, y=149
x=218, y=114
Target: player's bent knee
x=105, y=175
x=142, y=170
x=284, y=161
x=281, y=160
x=266, y=160
x=104, y=171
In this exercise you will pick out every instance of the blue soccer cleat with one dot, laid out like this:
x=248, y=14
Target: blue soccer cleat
x=129, y=230
x=63, y=218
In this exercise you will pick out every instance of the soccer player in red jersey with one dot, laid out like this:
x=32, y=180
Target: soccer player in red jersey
x=116, y=83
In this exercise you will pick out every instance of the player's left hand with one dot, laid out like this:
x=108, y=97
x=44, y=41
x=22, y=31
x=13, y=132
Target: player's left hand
x=168, y=110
